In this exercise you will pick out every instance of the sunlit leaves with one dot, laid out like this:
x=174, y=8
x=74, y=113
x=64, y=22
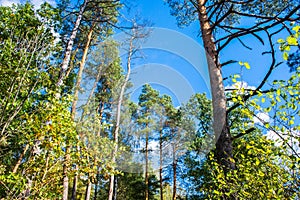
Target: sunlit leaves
x=259, y=175
x=285, y=56
x=245, y=64
x=291, y=40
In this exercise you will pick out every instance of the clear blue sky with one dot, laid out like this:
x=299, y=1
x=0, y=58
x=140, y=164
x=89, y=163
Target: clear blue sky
x=158, y=13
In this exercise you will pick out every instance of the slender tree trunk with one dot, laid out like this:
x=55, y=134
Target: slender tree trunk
x=65, y=173
x=96, y=191
x=88, y=190
x=100, y=120
x=75, y=181
x=71, y=65
x=81, y=68
x=111, y=187
x=92, y=92
x=96, y=184
x=116, y=188
x=20, y=159
x=76, y=92
x=66, y=60
x=146, y=169
x=118, y=115
x=174, y=172
x=221, y=128
x=160, y=166
x=64, y=67
x=46, y=167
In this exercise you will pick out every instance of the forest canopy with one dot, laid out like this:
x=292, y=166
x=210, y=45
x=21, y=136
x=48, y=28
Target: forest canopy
x=74, y=126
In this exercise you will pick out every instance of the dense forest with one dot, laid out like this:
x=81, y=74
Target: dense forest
x=69, y=128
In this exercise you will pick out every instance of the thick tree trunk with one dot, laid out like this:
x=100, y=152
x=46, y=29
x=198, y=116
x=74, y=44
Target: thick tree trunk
x=221, y=128
x=81, y=68
x=74, y=189
x=111, y=187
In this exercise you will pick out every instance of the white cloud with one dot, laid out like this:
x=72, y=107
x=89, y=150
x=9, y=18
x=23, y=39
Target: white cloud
x=271, y=135
x=9, y=2
x=239, y=85
x=291, y=138
x=154, y=145
x=36, y=3
x=261, y=118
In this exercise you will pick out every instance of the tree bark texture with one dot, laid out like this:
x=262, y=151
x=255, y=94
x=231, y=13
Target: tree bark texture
x=69, y=48
x=220, y=126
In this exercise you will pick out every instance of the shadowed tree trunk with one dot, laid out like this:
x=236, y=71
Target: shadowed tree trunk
x=116, y=188
x=96, y=184
x=174, y=172
x=160, y=166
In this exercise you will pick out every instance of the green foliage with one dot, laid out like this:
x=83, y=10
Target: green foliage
x=260, y=173
x=264, y=169
x=186, y=11
x=132, y=186
x=37, y=128
x=285, y=47
x=36, y=125
x=24, y=45
x=47, y=131
x=197, y=120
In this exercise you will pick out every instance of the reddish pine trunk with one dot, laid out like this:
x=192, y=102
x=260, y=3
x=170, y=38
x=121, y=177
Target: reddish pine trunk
x=221, y=129
x=64, y=67
x=76, y=92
